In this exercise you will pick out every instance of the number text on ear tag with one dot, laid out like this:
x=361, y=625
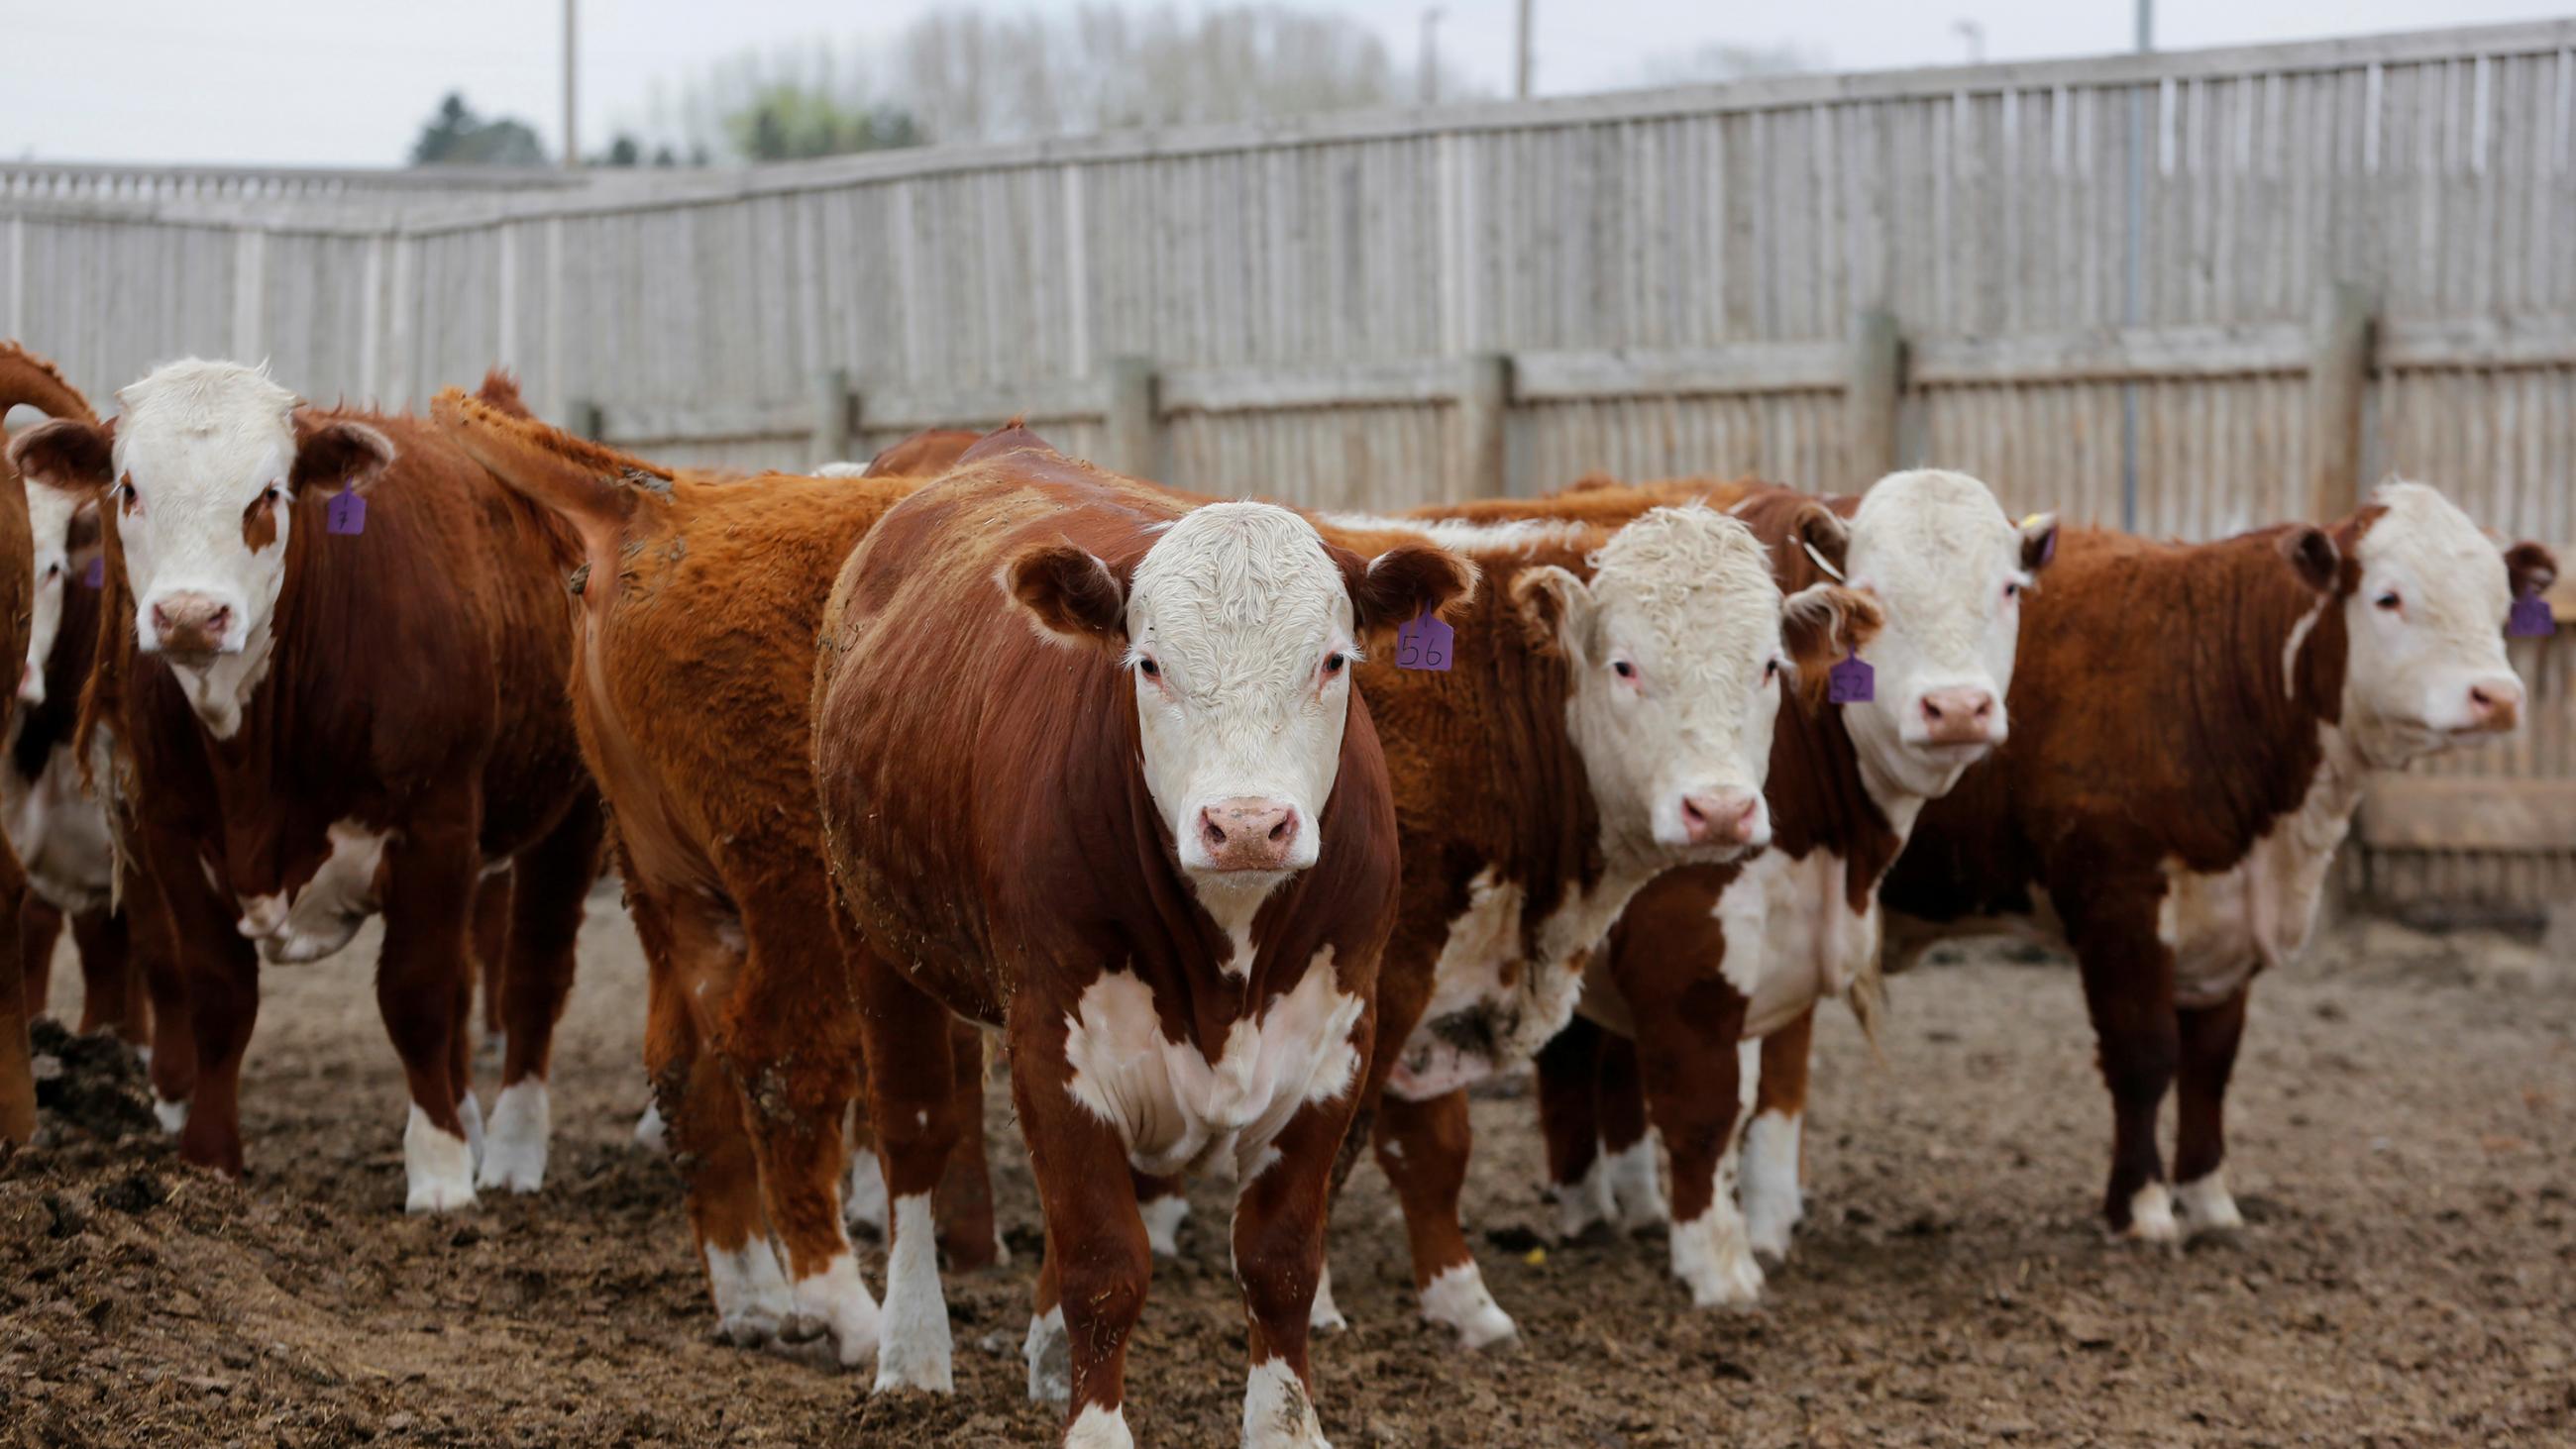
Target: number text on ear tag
x=95, y=576
x=1851, y=682
x=347, y=512
x=1424, y=643
x=2530, y=618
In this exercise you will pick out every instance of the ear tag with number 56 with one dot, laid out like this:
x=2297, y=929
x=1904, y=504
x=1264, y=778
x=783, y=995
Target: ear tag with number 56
x=347, y=512
x=1851, y=682
x=1424, y=643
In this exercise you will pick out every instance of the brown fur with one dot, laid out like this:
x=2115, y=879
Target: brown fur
x=926, y=454
x=990, y=831
x=17, y=1077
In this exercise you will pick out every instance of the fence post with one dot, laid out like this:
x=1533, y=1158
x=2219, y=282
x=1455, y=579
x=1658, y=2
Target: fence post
x=1134, y=418
x=834, y=420
x=1872, y=390
x=582, y=419
x=2338, y=379
x=1484, y=414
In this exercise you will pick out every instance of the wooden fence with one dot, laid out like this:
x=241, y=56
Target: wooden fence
x=2196, y=291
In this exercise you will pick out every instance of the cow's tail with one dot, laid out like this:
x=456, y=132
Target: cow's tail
x=1867, y=999
x=29, y=379
x=610, y=498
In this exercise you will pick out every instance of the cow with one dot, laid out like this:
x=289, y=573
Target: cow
x=1093, y=772
x=692, y=676
x=1608, y=716
x=2192, y=727
x=17, y=1063
x=55, y=818
x=925, y=454
x=1712, y=958
x=333, y=661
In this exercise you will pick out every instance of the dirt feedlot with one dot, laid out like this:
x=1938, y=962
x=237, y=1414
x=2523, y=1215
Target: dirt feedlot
x=2406, y=1154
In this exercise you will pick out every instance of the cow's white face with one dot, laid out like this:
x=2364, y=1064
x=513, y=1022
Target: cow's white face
x=49, y=519
x=2426, y=666
x=1675, y=676
x=1949, y=569
x=1239, y=630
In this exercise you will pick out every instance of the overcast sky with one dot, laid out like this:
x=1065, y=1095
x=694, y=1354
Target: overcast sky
x=348, y=82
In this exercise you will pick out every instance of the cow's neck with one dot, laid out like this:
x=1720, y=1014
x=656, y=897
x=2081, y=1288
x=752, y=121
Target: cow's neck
x=219, y=690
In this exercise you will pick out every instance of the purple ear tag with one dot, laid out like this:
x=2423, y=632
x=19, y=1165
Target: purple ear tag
x=2530, y=618
x=347, y=512
x=1424, y=643
x=95, y=576
x=1851, y=682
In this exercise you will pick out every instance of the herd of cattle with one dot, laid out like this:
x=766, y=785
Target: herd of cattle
x=1251, y=833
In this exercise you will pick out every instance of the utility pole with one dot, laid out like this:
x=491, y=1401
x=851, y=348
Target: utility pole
x=1431, y=56
x=572, y=143
x=2133, y=283
x=1523, y=62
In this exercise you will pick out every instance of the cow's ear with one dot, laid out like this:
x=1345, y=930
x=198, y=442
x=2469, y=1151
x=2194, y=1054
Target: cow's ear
x=67, y=454
x=1555, y=610
x=2314, y=557
x=1071, y=596
x=1824, y=534
x=2038, y=542
x=1402, y=583
x=2531, y=568
x=336, y=453
x=1825, y=622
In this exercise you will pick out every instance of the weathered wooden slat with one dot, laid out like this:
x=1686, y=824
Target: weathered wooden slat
x=2466, y=813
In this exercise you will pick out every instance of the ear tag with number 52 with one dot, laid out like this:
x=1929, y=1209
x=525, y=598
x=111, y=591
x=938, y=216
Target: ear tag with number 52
x=1851, y=682
x=1424, y=643
x=2530, y=618
x=347, y=512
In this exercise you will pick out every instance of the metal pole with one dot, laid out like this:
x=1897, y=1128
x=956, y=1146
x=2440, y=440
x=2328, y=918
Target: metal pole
x=1431, y=56
x=572, y=145
x=1524, y=64
x=2134, y=282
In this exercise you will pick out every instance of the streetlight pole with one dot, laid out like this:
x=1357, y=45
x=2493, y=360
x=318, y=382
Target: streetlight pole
x=1524, y=62
x=572, y=144
x=1431, y=55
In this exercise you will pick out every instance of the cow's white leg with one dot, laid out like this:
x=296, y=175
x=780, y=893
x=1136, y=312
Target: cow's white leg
x=915, y=1350
x=1773, y=1201
x=171, y=1113
x=514, y=1148
x=1712, y=1253
x=2206, y=1204
x=650, y=1132
x=1277, y=1414
x=750, y=1293
x=1581, y=1204
x=1050, y=1358
x=2151, y=1215
x=1163, y=1217
x=438, y=1165
x=1099, y=1428
x=1632, y=1184
x=834, y=1299
x=863, y=1196
x=1325, y=1316
x=1457, y=1300
x=470, y=1112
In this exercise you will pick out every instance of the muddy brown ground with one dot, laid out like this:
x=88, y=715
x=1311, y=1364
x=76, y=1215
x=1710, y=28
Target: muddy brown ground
x=2405, y=1148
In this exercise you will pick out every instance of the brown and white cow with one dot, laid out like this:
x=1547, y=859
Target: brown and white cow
x=1709, y=959
x=2192, y=728
x=328, y=721
x=1608, y=716
x=17, y=1074
x=702, y=749
x=1094, y=772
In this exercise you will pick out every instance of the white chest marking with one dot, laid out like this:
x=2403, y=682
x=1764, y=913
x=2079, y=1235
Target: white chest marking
x=1172, y=1106
x=311, y=922
x=1791, y=931
x=2224, y=927
x=218, y=691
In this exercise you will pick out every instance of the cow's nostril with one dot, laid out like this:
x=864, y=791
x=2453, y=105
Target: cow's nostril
x=1931, y=711
x=1280, y=830
x=1214, y=832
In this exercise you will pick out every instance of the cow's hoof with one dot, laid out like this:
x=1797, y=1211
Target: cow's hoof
x=438, y=1165
x=514, y=1144
x=1457, y=1300
x=838, y=1301
x=173, y=1116
x=2207, y=1208
x=2151, y=1218
x=1714, y=1259
x=750, y=1328
x=1323, y=1315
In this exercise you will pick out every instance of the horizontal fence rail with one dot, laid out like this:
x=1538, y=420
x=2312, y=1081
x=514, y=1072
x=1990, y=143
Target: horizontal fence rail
x=2341, y=260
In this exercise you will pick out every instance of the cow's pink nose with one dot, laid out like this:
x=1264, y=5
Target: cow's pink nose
x=2495, y=704
x=1721, y=817
x=191, y=623
x=1248, y=833
x=1959, y=716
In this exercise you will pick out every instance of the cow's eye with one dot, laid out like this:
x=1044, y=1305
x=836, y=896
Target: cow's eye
x=271, y=494
x=1149, y=669
x=1770, y=669
x=2389, y=600
x=2012, y=590
x=1623, y=669
x=1333, y=663
x=53, y=571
